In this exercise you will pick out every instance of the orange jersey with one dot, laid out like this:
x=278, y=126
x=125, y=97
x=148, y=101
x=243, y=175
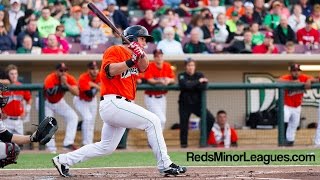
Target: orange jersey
x=84, y=86
x=14, y=106
x=231, y=9
x=154, y=72
x=51, y=81
x=123, y=84
x=293, y=97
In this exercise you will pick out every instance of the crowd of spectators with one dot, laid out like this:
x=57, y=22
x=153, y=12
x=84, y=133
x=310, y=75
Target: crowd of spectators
x=190, y=26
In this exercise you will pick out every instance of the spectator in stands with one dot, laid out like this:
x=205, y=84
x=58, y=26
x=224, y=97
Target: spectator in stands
x=191, y=84
x=216, y=9
x=26, y=45
x=37, y=5
x=117, y=16
x=267, y=47
x=53, y=46
x=123, y=6
x=186, y=7
x=221, y=29
x=308, y=35
x=290, y=48
x=65, y=3
x=283, y=33
x=115, y=39
x=316, y=16
x=59, y=11
x=168, y=45
x=306, y=7
x=238, y=34
x=86, y=16
x=297, y=19
x=196, y=21
x=46, y=24
x=154, y=5
x=195, y=46
x=93, y=35
x=260, y=9
x=221, y=134
x=101, y=5
x=75, y=25
x=158, y=34
x=238, y=7
x=231, y=23
x=31, y=30
x=172, y=3
x=241, y=46
x=174, y=21
x=23, y=21
x=271, y=21
x=14, y=14
x=6, y=42
x=148, y=21
x=257, y=36
x=60, y=37
x=208, y=29
x=4, y=17
x=284, y=10
x=250, y=15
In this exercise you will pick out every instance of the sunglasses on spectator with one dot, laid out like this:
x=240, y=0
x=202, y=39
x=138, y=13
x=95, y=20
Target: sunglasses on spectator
x=62, y=70
x=61, y=30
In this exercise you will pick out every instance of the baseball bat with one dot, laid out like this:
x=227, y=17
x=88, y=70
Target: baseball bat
x=104, y=19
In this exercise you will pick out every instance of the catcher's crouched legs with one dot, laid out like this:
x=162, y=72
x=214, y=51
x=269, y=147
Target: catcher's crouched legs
x=9, y=153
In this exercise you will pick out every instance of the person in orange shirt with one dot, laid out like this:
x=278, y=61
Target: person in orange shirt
x=56, y=84
x=19, y=104
x=238, y=7
x=221, y=134
x=158, y=73
x=86, y=102
x=293, y=101
x=120, y=67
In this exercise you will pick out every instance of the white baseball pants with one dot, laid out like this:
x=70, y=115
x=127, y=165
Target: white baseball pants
x=292, y=117
x=158, y=106
x=317, y=136
x=2, y=127
x=14, y=126
x=117, y=115
x=70, y=118
x=88, y=112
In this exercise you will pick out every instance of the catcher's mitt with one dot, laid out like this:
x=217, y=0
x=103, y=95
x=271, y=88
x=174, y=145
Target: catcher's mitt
x=9, y=153
x=45, y=131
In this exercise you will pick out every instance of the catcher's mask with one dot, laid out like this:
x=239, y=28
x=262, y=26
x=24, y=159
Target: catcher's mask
x=133, y=32
x=3, y=99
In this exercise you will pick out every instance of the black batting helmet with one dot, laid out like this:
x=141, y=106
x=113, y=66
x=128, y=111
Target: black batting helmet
x=3, y=99
x=132, y=32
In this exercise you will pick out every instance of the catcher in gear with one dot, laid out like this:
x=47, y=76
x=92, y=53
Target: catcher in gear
x=9, y=150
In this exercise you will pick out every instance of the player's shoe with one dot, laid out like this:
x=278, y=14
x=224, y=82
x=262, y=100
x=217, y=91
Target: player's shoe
x=62, y=169
x=173, y=170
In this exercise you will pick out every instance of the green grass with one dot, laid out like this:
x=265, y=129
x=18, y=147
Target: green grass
x=124, y=159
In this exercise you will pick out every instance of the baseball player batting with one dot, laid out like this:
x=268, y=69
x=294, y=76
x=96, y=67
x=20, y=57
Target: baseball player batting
x=293, y=100
x=86, y=103
x=9, y=150
x=120, y=67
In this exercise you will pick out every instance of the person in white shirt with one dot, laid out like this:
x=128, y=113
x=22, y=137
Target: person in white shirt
x=15, y=13
x=297, y=20
x=221, y=29
x=168, y=45
x=215, y=9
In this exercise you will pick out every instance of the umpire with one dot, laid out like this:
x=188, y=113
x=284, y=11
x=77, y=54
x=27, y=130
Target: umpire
x=191, y=84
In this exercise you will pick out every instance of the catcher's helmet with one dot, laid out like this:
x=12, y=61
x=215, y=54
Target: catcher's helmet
x=132, y=32
x=3, y=99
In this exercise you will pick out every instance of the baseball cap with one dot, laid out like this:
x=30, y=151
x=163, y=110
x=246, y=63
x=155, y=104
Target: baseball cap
x=309, y=20
x=238, y=23
x=92, y=65
x=61, y=66
x=188, y=59
x=157, y=51
x=56, y=2
x=235, y=13
x=15, y=1
x=276, y=3
x=294, y=66
x=268, y=34
x=248, y=4
x=76, y=9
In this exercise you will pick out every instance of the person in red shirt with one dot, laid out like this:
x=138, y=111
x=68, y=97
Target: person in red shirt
x=119, y=70
x=154, y=5
x=221, y=134
x=53, y=46
x=56, y=84
x=267, y=47
x=293, y=101
x=18, y=107
x=308, y=35
x=158, y=73
x=86, y=102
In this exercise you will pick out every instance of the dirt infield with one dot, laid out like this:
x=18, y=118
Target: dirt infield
x=227, y=173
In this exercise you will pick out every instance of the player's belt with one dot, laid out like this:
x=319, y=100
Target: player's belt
x=156, y=96
x=118, y=97
x=13, y=118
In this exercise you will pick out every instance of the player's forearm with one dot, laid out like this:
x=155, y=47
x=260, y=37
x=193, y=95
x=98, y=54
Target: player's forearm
x=143, y=64
x=20, y=139
x=116, y=68
x=95, y=85
x=73, y=89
